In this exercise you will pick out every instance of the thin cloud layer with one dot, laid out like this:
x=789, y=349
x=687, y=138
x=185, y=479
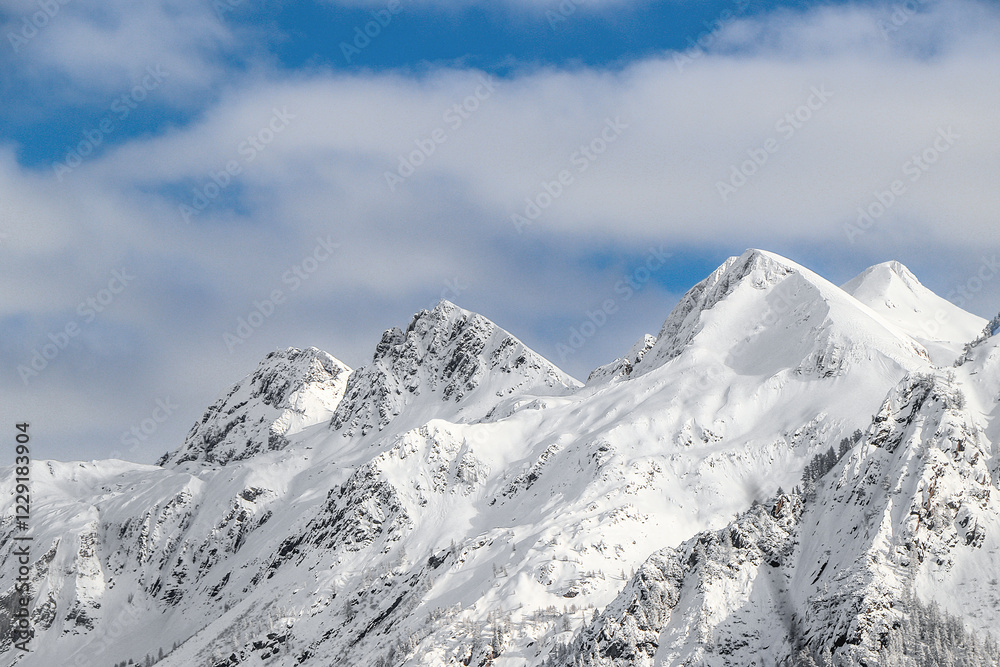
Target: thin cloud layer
x=528, y=195
x=78, y=49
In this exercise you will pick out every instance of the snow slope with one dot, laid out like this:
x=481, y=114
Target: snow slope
x=460, y=500
x=908, y=512
x=891, y=290
x=290, y=390
x=765, y=311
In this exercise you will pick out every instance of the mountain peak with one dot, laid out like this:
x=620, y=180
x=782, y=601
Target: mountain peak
x=760, y=313
x=899, y=269
x=622, y=367
x=758, y=269
x=289, y=390
x=455, y=355
x=467, y=490
x=880, y=277
x=760, y=266
x=446, y=306
x=445, y=319
x=892, y=291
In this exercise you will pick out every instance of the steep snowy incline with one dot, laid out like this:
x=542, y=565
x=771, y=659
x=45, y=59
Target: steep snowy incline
x=891, y=290
x=719, y=598
x=682, y=445
x=911, y=513
x=980, y=376
x=128, y=559
x=449, y=363
x=289, y=391
x=584, y=484
x=75, y=559
x=912, y=509
x=558, y=492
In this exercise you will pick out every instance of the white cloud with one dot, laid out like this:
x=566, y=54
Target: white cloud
x=323, y=174
x=569, y=6
x=686, y=130
x=85, y=50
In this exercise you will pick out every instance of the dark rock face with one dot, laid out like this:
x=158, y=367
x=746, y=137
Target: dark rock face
x=290, y=389
x=446, y=353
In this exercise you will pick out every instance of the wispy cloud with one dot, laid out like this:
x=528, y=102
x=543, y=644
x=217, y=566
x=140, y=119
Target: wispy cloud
x=323, y=175
x=82, y=51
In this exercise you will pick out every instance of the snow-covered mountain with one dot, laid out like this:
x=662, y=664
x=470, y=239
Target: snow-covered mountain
x=290, y=390
x=765, y=312
x=788, y=473
x=891, y=290
x=905, y=520
x=445, y=355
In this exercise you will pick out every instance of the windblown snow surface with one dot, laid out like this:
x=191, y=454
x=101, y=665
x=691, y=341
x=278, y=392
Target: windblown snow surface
x=462, y=501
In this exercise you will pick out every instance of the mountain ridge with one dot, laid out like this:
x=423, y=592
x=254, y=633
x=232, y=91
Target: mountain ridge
x=289, y=390
x=460, y=500
x=446, y=351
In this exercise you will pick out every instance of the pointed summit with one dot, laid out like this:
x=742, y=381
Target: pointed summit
x=892, y=291
x=760, y=313
x=446, y=354
x=290, y=390
x=622, y=367
x=755, y=269
x=880, y=277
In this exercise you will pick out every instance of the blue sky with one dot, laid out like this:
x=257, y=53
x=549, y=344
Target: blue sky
x=501, y=39
x=166, y=168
